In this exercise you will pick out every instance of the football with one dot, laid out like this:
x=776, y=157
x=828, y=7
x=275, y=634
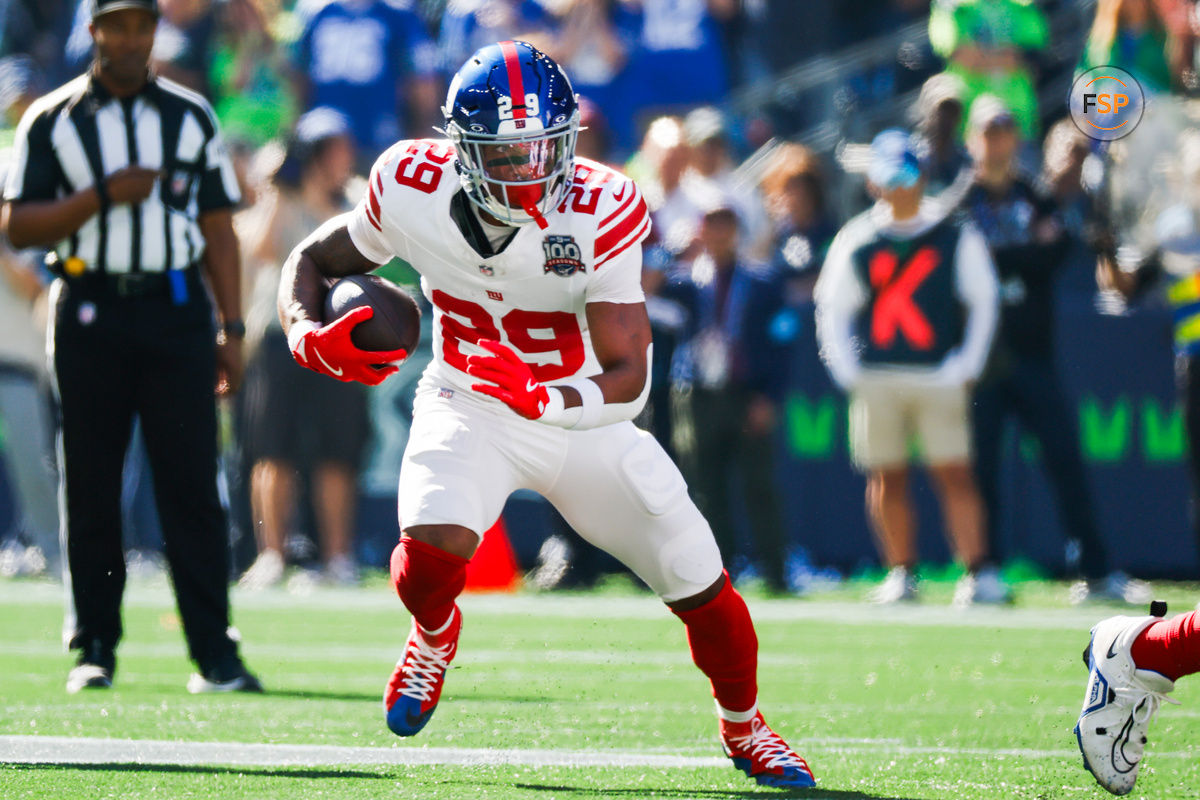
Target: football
x=397, y=320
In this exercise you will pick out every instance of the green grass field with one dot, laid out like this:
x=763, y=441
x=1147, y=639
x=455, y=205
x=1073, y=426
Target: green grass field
x=573, y=696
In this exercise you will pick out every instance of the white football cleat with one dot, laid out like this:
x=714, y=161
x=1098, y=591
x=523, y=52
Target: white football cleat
x=900, y=584
x=266, y=571
x=1119, y=704
x=984, y=586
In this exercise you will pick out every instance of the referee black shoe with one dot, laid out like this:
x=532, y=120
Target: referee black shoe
x=93, y=670
x=228, y=676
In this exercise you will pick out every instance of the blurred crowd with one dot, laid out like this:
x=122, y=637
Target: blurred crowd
x=745, y=207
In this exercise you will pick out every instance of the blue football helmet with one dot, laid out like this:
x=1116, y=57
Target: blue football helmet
x=513, y=119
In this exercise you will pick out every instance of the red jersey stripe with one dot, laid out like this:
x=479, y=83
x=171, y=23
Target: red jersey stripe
x=635, y=194
x=628, y=224
x=516, y=86
x=637, y=237
x=373, y=211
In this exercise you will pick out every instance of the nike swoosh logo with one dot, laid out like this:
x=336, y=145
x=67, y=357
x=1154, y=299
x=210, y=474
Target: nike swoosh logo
x=1111, y=652
x=301, y=346
x=531, y=387
x=336, y=372
x=618, y=194
x=417, y=720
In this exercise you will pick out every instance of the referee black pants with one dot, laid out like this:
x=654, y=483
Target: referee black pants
x=115, y=356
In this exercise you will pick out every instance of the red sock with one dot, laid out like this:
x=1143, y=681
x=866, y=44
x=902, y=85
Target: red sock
x=428, y=580
x=725, y=648
x=1170, y=647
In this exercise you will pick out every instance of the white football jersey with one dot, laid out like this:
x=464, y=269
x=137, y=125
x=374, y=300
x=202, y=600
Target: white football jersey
x=532, y=296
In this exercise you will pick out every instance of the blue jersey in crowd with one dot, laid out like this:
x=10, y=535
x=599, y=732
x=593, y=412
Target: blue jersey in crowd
x=357, y=55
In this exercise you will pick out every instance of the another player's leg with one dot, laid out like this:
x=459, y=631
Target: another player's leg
x=724, y=646
x=429, y=570
x=1133, y=664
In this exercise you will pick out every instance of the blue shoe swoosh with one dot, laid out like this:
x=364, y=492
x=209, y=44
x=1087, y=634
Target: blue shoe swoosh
x=403, y=722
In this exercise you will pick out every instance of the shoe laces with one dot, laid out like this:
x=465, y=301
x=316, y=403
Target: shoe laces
x=1145, y=702
x=766, y=746
x=423, y=667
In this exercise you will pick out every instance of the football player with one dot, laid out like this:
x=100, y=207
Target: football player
x=1133, y=664
x=531, y=259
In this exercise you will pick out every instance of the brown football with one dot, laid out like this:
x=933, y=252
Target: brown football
x=397, y=320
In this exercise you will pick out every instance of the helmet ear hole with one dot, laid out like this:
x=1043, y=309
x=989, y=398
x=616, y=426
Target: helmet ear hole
x=510, y=93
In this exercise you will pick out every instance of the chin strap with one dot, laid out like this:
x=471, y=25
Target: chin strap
x=532, y=210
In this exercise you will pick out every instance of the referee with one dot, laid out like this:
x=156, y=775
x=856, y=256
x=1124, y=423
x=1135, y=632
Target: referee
x=125, y=176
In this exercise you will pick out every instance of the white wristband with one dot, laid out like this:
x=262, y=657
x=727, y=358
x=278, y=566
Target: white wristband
x=555, y=413
x=300, y=328
x=591, y=402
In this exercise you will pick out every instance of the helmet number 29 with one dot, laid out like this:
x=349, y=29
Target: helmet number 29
x=504, y=106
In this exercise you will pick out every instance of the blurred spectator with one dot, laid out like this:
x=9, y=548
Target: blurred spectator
x=374, y=62
x=249, y=77
x=710, y=172
x=468, y=25
x=1172, y=269
x=659, y=168
x=26, y=414
x=594, y=140
x=906, y=309
x=593, y=45
x=20, y=84
x=802, y=228
x=1135, y=36
x=1029, y=245
x=280, y=398
x=38, y=30
x=252, y=93
x=938, y=117
x=679, y=61
x=183, y=44
x=1065, y=151
x=992, y=45
x=727, y=384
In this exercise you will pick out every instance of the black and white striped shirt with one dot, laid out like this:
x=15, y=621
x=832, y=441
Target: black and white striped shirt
x=80, y=132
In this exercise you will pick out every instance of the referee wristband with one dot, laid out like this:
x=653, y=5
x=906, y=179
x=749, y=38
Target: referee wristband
x=234, y=329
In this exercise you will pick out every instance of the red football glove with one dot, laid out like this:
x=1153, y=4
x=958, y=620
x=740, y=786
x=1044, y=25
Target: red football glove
x=329, y=351
x=515, y=385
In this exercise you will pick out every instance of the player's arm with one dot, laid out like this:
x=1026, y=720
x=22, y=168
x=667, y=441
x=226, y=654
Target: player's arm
x=327, y=254
x=620, y=335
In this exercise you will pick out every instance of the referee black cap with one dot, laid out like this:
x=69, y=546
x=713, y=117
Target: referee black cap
x=104, y=6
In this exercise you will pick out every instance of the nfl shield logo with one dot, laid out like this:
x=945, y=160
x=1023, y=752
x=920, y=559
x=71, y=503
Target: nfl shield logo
x=486, y=270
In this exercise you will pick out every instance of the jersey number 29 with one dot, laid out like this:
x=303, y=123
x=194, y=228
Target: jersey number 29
x=464, y=321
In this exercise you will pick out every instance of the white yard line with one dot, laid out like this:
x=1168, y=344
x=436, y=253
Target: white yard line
x=645, y=607
x=68, y=750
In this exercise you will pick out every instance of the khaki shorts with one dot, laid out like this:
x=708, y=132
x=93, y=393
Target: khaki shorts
x=894, y=420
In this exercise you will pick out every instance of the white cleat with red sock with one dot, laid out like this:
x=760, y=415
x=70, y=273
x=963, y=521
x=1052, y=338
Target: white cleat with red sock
x=1119, y=703
x=415, y=687
x=763, y=755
